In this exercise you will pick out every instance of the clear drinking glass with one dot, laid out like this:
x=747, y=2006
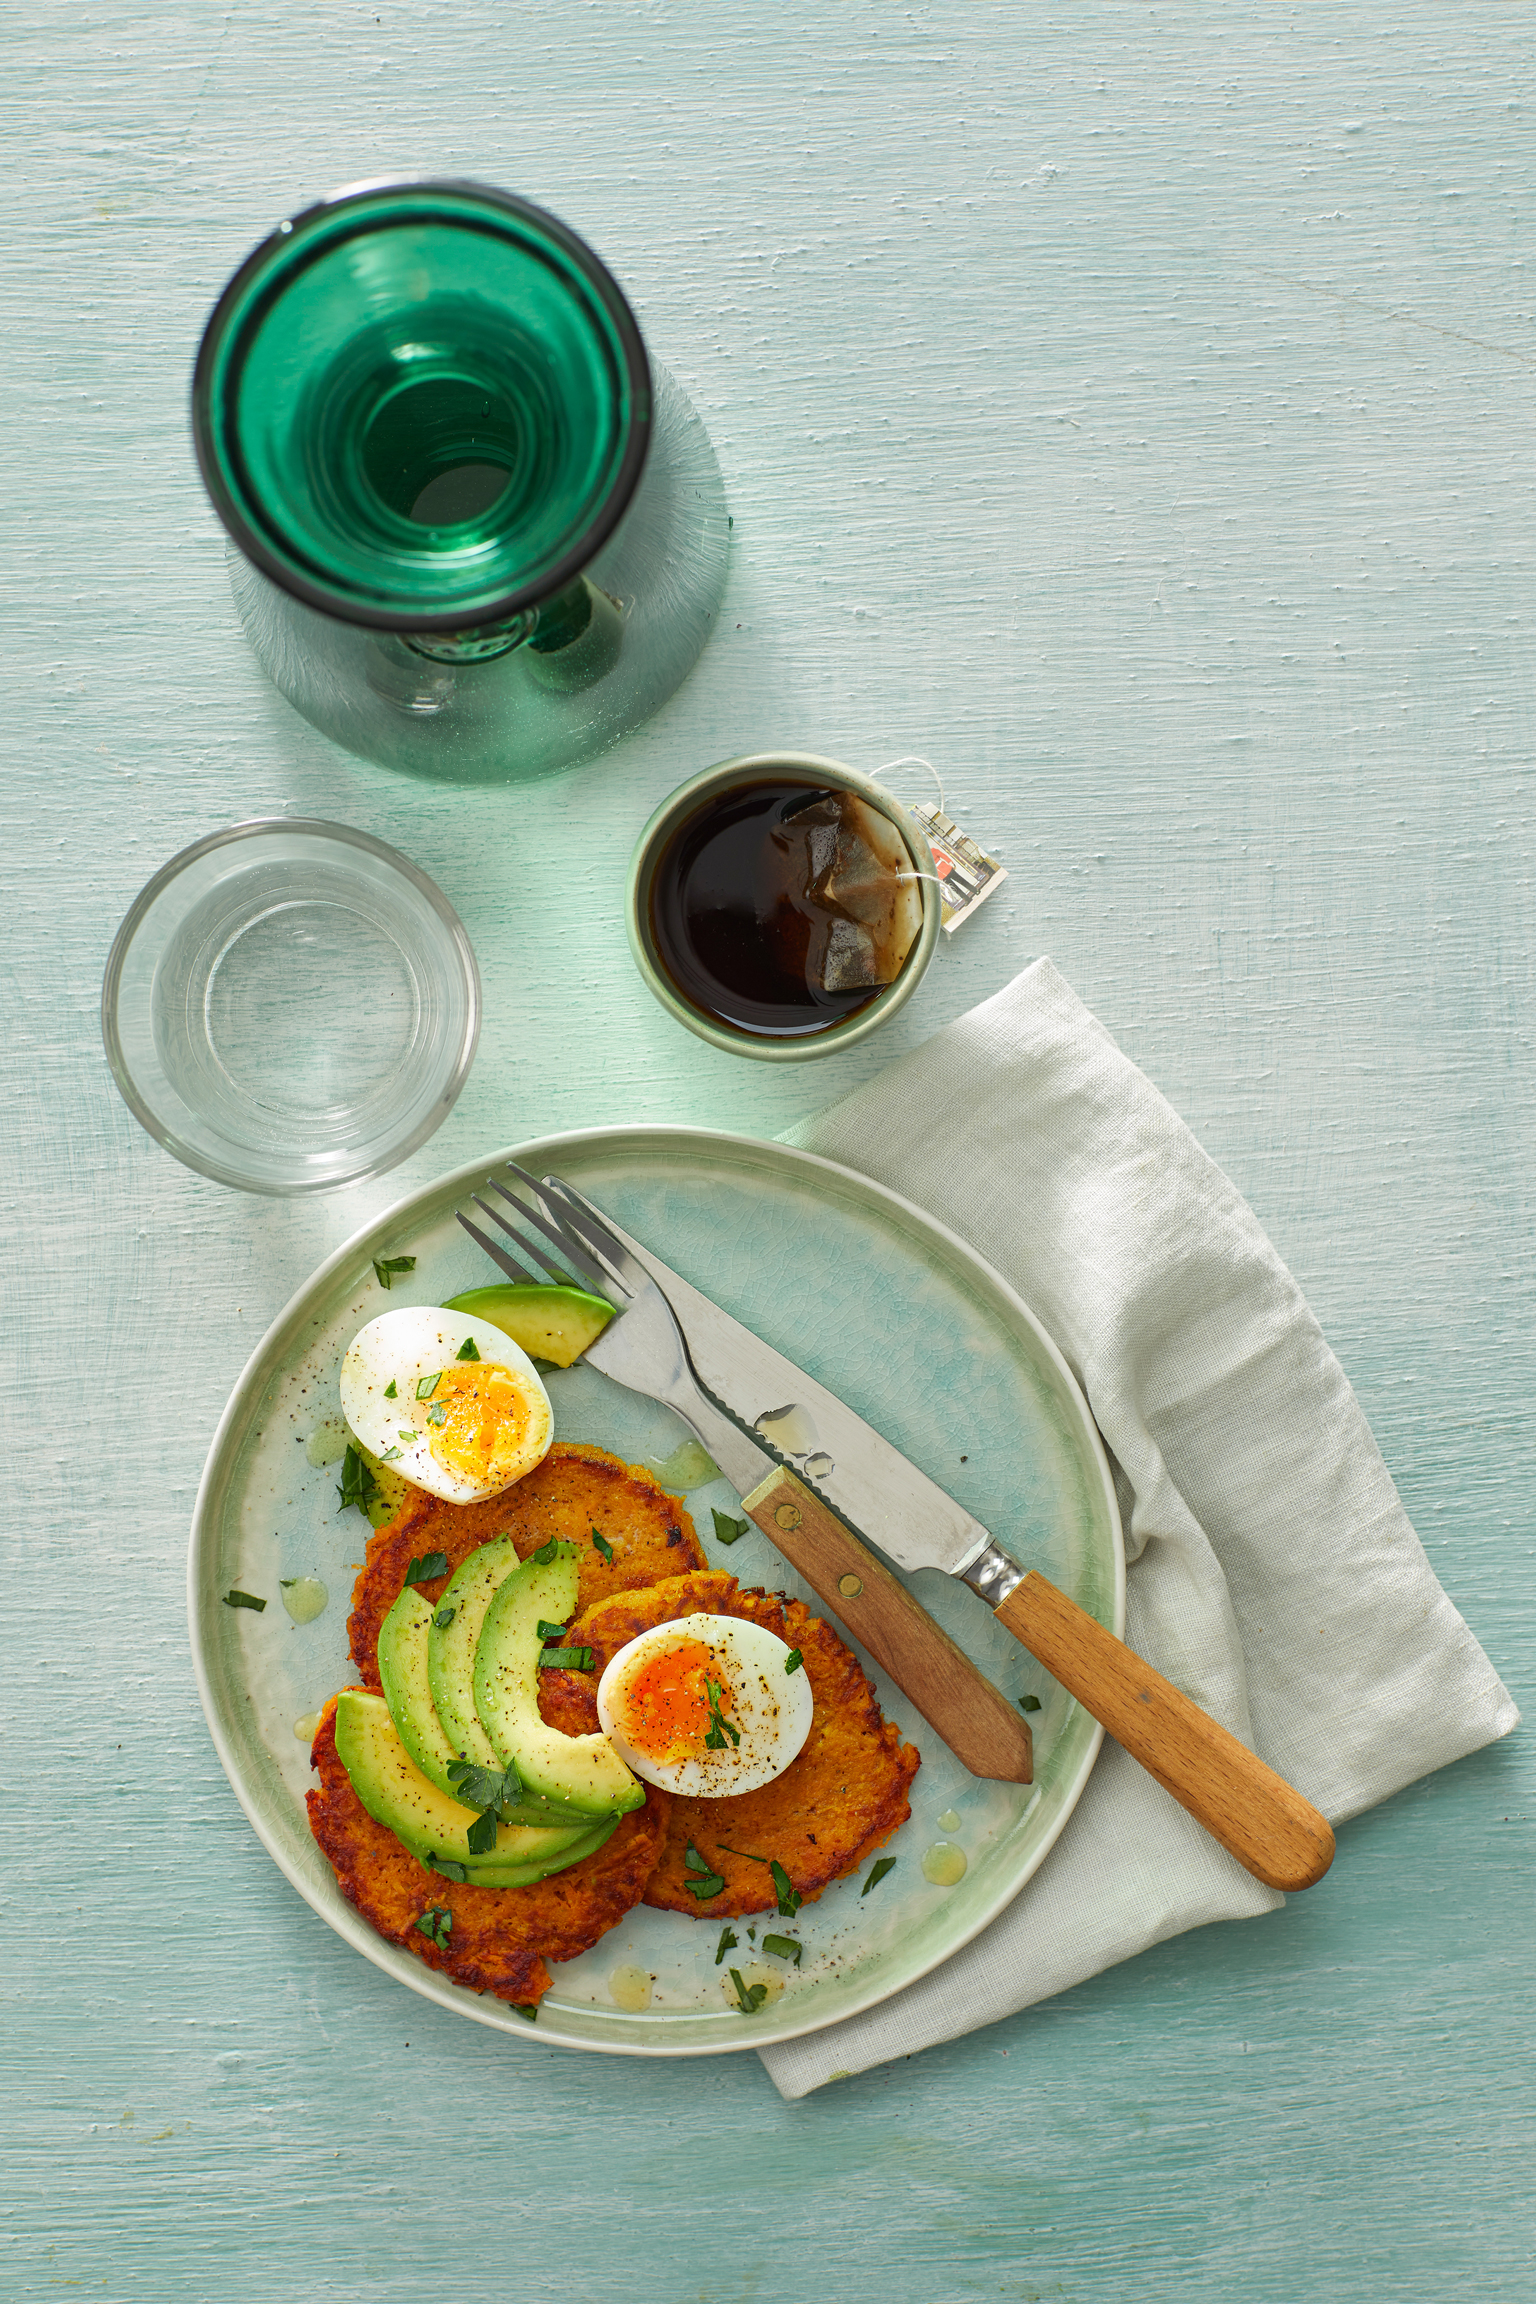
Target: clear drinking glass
x=474, y=533
x=290, y=1006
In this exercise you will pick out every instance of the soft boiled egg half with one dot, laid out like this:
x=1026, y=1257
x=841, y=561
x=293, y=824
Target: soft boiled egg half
x=706, y=1705
x=450, y=1403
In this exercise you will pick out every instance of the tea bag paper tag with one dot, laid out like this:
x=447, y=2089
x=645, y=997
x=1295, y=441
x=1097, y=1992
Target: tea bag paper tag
x=967, y=874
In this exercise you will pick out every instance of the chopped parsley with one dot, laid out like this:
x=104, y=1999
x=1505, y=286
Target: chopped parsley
x=546, y=1552
x=751, y=1996
x=438, y=1412
x=488, y=1788
x=233, y=1599
x=389, y=1455
x=788, y=1894
x=603, y=1545
x=357, y=1485
x=392, y=1392
x=719, y=1727
x=551, y=1631
x=444, y=1618
x=527, y=2009
x=877, y=1873
x=793, y=1660
x=784, y=1888
x=407, y=1433
x=450, y=1869
x=698, y=1879
x=435, y=1923
x=728, y=1943
x=1029, y=1703
x=429, y=1565
x=482, y=1833
x=784, y=1948
x=427, y=1385
x=727, y=1530
x=468, y=1350
x=385, y=1268
x=567, y=1659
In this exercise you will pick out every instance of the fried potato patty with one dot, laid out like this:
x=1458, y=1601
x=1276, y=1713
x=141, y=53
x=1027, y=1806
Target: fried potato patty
x=501, y=1937
x=835, y=1803
x=574, y=1490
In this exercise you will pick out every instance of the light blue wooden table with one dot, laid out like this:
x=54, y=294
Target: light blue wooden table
x=1132, y=410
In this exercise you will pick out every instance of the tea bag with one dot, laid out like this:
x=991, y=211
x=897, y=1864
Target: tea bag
x=866, y=908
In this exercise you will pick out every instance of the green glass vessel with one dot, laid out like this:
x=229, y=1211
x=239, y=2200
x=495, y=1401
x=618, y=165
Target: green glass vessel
x=474, y=532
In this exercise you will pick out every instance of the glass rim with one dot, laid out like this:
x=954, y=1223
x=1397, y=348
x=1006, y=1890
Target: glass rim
x=328, y=599
x=170, y=1139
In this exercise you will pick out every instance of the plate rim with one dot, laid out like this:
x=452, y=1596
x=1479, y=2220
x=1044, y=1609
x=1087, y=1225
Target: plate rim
x=350, y=1925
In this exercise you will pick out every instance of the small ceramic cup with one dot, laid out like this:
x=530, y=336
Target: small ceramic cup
x=755, y=768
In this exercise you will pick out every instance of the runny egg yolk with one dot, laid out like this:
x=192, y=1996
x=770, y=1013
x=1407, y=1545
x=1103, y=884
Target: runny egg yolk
x=485, y=1423
x=666, y=1703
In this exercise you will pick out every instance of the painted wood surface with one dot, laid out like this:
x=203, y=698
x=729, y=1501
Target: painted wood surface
x=1130, y=409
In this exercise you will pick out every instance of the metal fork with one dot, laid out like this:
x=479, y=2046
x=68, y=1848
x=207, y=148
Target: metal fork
x=645, y=1349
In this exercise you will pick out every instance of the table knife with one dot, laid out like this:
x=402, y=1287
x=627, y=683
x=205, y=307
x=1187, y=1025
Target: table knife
x=1265, y=1823
x=668, y=1333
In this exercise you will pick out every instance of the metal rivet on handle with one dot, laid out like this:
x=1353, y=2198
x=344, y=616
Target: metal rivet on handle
x=787, y=1516
x=850, y=1586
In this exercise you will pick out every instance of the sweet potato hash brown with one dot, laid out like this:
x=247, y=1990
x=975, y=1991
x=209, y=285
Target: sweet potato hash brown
x=833, y=1805
x=843, y=1795
x=499, y=1938
x=574, y=1490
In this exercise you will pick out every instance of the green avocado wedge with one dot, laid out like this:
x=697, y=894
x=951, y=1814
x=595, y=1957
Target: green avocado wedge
x=396, y=1794
x=403, y=1669
x=584, y=1772
x=550, y=1323
x=586, y=1843
x=451, y=1648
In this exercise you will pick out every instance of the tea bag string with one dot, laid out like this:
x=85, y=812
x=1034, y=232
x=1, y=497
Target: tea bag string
x=915, y=760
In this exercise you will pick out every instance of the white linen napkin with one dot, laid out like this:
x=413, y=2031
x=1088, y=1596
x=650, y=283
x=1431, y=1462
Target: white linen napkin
x=1273, y=1571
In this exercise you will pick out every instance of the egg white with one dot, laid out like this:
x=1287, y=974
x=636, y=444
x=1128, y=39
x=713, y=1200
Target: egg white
x=413, y=1341
x=772, y=1708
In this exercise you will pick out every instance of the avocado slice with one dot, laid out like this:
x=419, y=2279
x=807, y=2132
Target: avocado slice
x=396, y=1794
x=586, y=1843
x=582, y=1771
x=550, y=1323
x=451, y=1648
x=403, y=1669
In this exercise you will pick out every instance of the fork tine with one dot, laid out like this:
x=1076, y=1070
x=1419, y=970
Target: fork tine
x=534, y=1257
x=562, y=1203
x=584, y=1219
x=529, y=1250
x=514, y=1272
x=558, y=1237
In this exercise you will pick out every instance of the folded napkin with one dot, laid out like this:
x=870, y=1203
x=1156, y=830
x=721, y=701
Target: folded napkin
x=1273, y=1572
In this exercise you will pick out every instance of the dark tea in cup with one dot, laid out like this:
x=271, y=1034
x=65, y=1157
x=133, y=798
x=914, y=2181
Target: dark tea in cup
x=782, y=906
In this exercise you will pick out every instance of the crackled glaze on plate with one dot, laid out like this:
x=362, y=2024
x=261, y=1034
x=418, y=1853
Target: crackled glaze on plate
x=881, y=1305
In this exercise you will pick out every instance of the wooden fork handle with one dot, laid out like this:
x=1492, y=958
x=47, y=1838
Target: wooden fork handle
x=975, y=1719
x=1265, y=1822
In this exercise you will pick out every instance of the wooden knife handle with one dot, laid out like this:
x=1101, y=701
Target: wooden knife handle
x=1266, y=1824
x=975, y=1719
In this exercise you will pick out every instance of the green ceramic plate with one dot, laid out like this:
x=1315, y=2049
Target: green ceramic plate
x=880, y=1304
